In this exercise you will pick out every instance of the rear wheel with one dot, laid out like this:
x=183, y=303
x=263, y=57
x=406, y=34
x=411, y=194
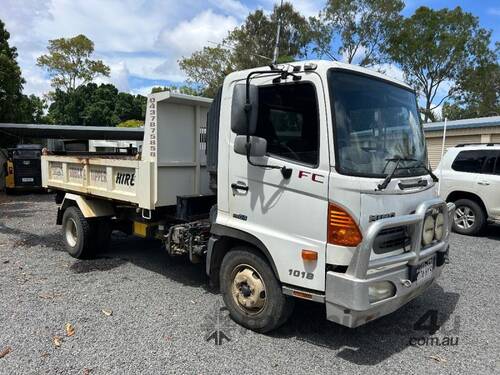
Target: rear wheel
x=469, y=218
x=251, y=291
x=77, y=234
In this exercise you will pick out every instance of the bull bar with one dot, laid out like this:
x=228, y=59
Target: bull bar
x=347, y=297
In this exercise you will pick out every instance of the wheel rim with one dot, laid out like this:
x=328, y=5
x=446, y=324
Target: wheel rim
x=248, y=289
x=464, y=217
x=71, y=232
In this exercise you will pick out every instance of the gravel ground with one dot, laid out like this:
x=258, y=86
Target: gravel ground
x=163, y=311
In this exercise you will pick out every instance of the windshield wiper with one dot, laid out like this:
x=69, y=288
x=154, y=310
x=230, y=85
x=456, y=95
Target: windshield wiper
x=390, y=176
x=429, y=172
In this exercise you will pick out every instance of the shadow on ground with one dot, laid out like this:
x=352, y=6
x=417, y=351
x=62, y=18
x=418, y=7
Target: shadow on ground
x=376, y=341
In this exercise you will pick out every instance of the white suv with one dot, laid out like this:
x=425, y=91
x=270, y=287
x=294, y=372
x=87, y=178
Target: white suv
x=470, y=177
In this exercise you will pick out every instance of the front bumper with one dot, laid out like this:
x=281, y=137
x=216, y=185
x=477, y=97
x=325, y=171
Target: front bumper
x=347, y=298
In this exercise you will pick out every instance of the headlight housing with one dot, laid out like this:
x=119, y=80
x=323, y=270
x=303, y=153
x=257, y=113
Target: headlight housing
x=439, y=227
x=428, y=230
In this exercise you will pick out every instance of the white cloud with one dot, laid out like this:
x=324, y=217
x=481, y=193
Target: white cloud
x=189, y=36
x=134, y=37
x=391, y=70
x=118, y=76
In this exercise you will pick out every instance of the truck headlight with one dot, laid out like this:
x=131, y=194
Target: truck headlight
x=381, y=290
x=428, y=230
x=439, y=227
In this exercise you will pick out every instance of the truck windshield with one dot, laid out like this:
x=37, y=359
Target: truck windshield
x=375, y=124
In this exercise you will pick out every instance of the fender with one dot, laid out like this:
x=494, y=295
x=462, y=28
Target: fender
x=220, y=232
x=90, y=207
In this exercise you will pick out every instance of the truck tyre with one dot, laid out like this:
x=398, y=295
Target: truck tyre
x=251, y=292
x=469, y=218
x=77, y=234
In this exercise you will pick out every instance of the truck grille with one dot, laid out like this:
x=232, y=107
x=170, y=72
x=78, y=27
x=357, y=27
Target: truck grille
x=391, y=239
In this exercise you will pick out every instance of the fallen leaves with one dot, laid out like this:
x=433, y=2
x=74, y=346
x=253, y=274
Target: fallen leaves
x=5, y=351
x=107, y=312
x=438, y=358
x=57, y=341
x=70, y=330
x=49, y=295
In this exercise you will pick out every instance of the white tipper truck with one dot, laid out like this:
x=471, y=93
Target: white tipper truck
x=306, y=180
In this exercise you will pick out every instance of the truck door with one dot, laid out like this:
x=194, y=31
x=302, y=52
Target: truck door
x=286, y=215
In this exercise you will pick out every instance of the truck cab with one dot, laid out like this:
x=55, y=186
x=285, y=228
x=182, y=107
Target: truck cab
x=337, y=193
x=309, y=180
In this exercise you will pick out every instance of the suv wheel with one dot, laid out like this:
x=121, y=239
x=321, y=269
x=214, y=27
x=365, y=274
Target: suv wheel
x=469, y=217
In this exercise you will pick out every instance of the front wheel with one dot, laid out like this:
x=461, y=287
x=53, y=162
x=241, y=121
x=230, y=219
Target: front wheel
x=251, y=292
x=469, y=218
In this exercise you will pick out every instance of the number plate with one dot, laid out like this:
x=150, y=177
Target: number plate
x=27, y=179
x=423, y=271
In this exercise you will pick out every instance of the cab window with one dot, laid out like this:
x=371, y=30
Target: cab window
x=288, y=120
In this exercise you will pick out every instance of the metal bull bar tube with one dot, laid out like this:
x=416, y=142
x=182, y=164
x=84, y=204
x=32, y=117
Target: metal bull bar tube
x=347, y=294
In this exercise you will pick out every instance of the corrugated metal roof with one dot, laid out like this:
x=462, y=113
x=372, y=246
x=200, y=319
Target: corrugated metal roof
x=479, y=122
x=73, y=132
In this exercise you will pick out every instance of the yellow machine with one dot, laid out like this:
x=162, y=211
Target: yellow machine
x=23, y=169
x=9, y=175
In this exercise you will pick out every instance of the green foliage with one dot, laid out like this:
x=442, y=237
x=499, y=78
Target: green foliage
x=208, y=68
x=11, y=82
x=253, y=43
x=31, y=110
x=435, y=46
x=69, y=62
x=187, y=90
x=360, y=27
x=131, y=124
x=250, y=45
x=477, y=93
x=91, y=104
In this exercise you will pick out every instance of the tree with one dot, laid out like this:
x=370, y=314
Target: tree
x=362, y=27
x=208, y=68
x=131, y=124
x=253, y=43
x=248, y=46
x=186, y=90
x=477, y=92
x=435, y=46
x=69, y=62
x=11, y=81
x=31, y=110
x=91, y=104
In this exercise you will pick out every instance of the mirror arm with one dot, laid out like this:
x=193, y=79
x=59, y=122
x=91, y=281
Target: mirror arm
x=285, y=172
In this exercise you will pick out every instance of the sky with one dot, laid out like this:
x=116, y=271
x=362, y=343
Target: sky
x=142, y=40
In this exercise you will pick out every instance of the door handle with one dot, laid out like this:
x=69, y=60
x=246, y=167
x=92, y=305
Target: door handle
x=482, y=182
x=239, y=187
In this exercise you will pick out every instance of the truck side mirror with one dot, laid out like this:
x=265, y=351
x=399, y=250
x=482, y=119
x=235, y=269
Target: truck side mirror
x=239, y=109
x=258, y=146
